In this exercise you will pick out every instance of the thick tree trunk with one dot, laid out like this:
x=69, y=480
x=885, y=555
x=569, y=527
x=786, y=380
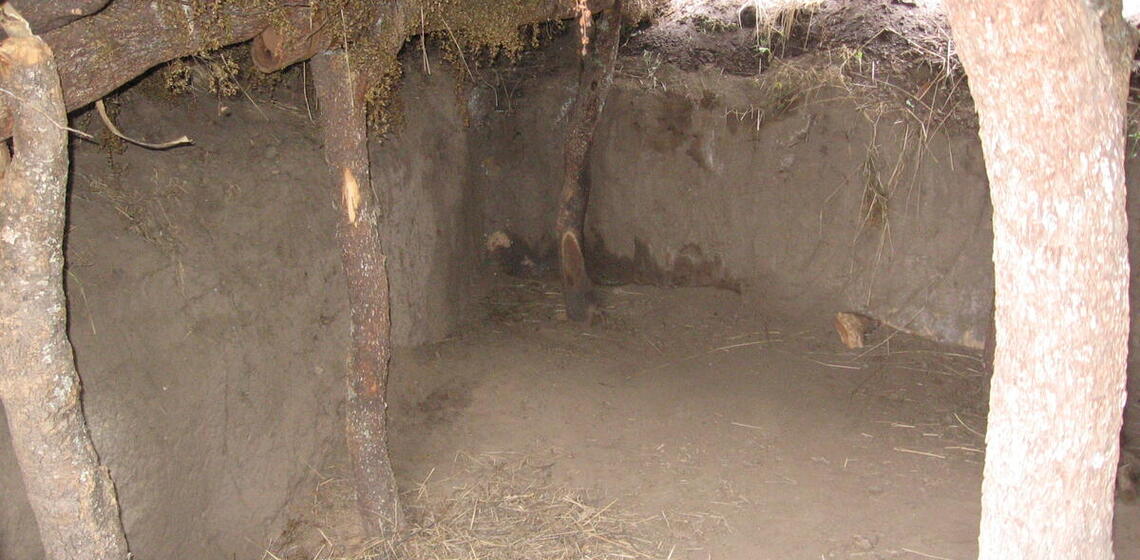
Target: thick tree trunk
x=71, y=495
x=345, y=135
x=1049, y=80
x=594, y=81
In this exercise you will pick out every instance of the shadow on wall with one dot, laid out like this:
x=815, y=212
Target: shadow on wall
x=208, y=315
x=820, y=209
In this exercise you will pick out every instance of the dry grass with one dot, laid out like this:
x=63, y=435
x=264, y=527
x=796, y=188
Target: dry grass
x=506, y=507
x=916, y=111
x=146, y=211
x=529, y=301
x=777, y=20
x=847, y=75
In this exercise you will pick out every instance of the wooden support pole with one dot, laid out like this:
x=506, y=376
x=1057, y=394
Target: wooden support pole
x=71, y=494
x=1050, y=83
x=594, y=81
x=345, y=135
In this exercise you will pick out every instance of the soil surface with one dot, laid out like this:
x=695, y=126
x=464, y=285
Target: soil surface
x=731, y=33
x=689, y=403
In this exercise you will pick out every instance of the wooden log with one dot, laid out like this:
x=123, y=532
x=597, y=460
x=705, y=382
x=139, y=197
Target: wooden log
x=307, y=33
x=46, y=15
x=594, y=81
x=71, y=494
x=97, y=54
x=853, y=327
x=345, y=134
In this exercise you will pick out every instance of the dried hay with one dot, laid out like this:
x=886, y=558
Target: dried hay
x=775, y=21
x=144, y=210
x=507, y=508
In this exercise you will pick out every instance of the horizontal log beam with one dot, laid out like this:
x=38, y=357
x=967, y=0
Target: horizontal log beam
x=99, y=53
x=307, y=35
x=46, y=15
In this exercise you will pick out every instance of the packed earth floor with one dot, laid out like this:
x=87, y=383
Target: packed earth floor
x=720, y=430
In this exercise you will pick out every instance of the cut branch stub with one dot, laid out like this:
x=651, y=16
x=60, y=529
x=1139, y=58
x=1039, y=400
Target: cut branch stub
x=304, y=35
x=594, y=81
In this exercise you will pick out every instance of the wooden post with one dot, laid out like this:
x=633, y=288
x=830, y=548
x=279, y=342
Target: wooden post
x=345, y=134
x=71, y=494
x=1050, y=80
x=594, y=81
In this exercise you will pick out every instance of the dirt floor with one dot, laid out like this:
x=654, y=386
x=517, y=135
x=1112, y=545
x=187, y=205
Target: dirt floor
x=753, y=428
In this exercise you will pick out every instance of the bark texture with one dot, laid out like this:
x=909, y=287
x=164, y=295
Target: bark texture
x=307, y=32
x=345, y=135
x=594, y=81
x=1049, y=80
x=46, y=15
x=71, y=494
x=98, y=53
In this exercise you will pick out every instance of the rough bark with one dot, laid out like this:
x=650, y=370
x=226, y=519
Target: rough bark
x=1049, y=80
x=71, y=495
x=97, y=54
x=344, y=131
x=307, y=33
x=46, y=15
x=594, y=81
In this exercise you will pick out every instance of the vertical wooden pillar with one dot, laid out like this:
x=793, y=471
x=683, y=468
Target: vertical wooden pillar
x=71, y=494
x=1050, y=79
x=345, y=134
x=594, y=81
